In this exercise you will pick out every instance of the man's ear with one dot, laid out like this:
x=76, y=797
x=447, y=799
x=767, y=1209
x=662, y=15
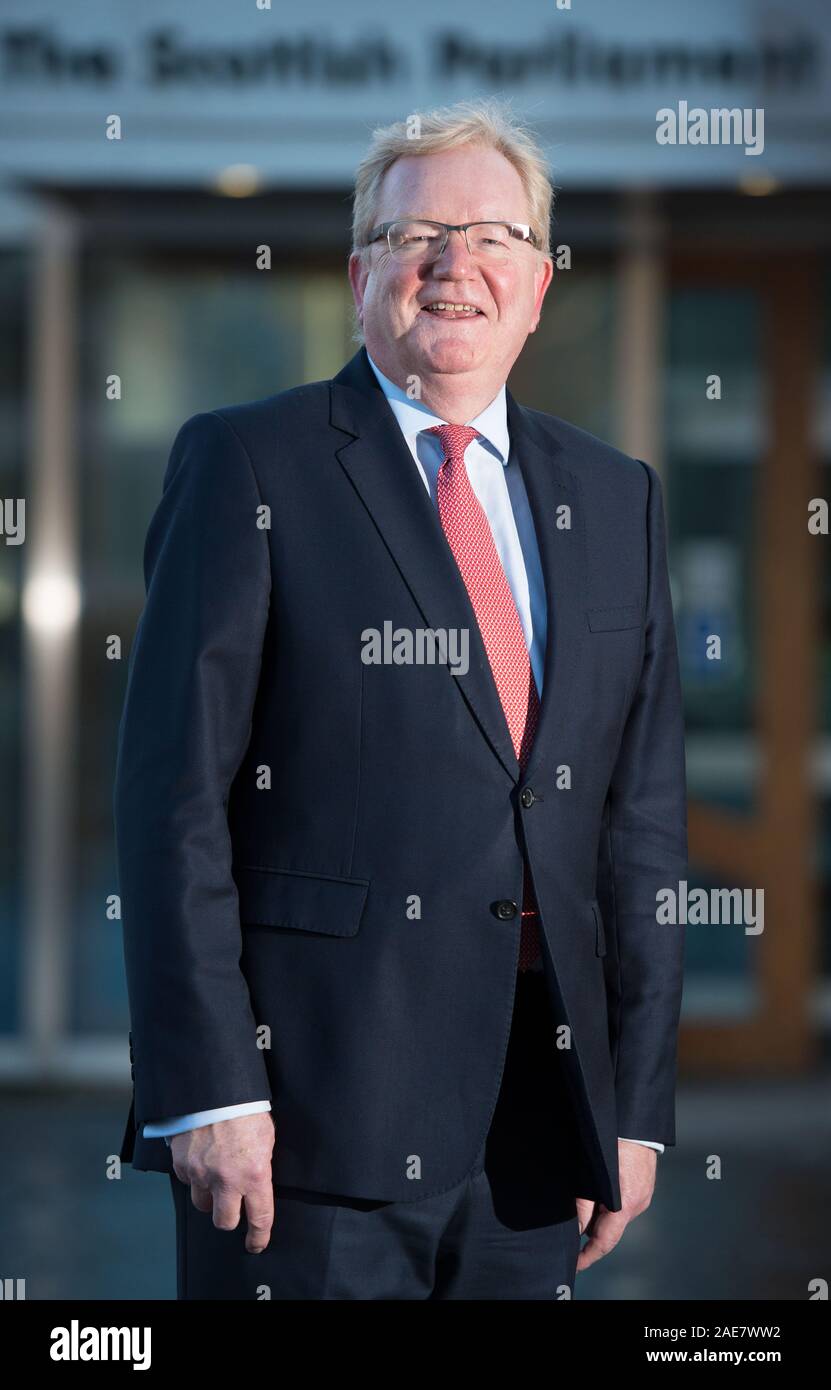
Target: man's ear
x=544, y=275
x=358, y=270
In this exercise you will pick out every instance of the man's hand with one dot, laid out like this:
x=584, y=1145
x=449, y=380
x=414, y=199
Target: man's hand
x=637, y=1165
x=225, y=1164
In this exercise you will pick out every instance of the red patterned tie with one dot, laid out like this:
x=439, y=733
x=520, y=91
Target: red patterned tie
x=469, y=535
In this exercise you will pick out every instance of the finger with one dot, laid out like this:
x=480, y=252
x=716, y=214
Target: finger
x=607, y=1231
x=201, y=1197
x=259, y=1213
x=585, y=1207
x=591, y=1224
x=227, y=1207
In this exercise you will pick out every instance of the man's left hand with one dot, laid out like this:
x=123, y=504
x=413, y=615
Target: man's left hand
x=637, y=1166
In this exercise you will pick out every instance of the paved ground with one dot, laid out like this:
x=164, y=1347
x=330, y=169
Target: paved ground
x=760, y=1231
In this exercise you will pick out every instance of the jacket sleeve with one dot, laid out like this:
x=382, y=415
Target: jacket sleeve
x=647, y=852
x=192, y=680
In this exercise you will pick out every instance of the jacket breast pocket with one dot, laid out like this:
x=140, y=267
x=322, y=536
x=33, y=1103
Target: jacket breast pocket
x=319, y=903
x=613, y=619
x=599, y=930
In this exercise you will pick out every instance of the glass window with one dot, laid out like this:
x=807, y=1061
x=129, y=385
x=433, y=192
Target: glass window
x=715, y=434
x=184, y=334
x=13, y=295
x=566, y=367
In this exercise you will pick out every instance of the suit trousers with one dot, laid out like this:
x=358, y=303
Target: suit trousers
x=508, y=1230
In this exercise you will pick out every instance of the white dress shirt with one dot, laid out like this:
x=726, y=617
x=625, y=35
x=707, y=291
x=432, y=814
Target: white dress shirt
x=501, y=492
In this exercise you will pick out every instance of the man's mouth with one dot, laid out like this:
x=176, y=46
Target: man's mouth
x=445, y=309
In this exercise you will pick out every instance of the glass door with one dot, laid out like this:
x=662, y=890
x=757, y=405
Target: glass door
x=743, y=355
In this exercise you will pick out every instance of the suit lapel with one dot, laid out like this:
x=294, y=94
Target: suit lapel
x=380, y=466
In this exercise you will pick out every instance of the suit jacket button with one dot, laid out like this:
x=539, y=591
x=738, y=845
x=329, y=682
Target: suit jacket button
x=527, y=797
x=505, y=909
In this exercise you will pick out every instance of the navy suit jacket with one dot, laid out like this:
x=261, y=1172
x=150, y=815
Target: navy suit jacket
x=280, y=805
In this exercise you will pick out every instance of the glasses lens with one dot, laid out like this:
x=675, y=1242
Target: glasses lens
x=489, y=240
x=415, y=240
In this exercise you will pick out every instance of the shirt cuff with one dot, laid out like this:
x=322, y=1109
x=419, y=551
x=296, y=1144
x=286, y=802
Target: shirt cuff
x=179, y=1124
x=648, y=1143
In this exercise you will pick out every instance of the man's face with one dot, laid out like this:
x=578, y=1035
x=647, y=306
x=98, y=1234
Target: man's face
x=472, y=183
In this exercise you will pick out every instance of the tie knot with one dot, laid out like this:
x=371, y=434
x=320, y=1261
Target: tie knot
x=454, y=439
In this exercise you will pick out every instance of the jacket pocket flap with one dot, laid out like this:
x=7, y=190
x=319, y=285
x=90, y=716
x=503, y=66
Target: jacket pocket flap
x=309, y=902
x=609, y=619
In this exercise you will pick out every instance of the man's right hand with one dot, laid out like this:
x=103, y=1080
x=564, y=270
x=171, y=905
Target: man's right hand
x=226, y=1164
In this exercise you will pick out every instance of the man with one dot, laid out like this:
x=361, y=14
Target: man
x=390, y=923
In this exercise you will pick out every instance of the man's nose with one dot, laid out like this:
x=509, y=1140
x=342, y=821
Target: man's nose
x=455, y=257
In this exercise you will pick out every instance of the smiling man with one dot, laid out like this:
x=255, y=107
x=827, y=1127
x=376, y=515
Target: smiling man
x=404, y=1022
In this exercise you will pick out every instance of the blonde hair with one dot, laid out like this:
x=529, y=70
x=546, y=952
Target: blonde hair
x=484, y=121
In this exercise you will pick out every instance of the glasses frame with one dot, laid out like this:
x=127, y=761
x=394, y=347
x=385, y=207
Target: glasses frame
x=522, y=231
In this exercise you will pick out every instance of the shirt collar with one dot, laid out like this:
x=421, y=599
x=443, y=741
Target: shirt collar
x=414, y=416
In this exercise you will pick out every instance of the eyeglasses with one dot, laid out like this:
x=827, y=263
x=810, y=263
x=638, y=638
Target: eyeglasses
x=418, y=240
